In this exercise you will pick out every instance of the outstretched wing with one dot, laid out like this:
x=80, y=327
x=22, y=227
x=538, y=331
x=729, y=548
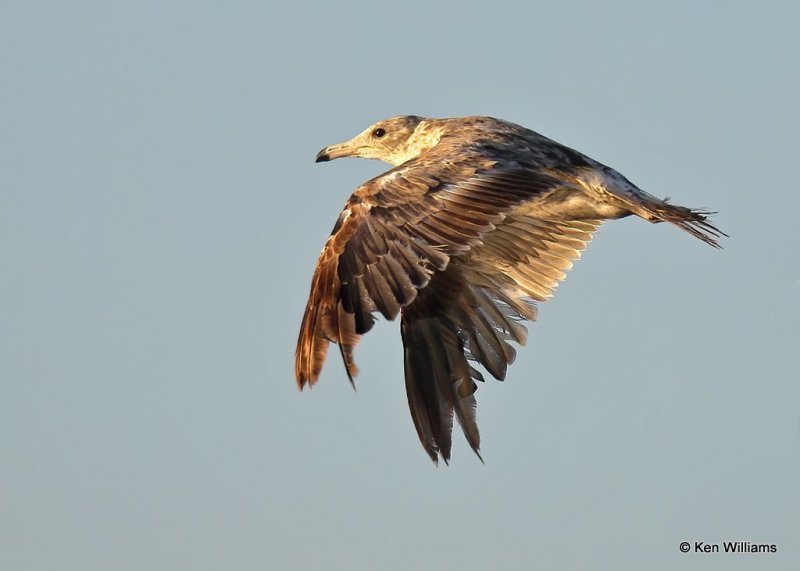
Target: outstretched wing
x=471, y=311
x=393, y=234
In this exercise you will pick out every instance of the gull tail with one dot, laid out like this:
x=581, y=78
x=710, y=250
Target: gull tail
x=691, y=220
x=610, y=188
x=618, y=190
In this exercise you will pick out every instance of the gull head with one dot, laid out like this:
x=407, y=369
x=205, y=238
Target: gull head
x=394, y=141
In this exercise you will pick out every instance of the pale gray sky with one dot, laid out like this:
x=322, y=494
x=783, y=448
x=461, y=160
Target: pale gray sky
x=160, y=217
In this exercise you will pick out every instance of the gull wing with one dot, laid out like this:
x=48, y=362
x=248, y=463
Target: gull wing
x=471, y=311
x=394, y=233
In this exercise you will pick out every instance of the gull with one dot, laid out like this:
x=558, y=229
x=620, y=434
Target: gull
x=477, y=222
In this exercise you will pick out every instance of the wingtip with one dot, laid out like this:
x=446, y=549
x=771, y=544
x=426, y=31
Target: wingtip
x=349, y=366
x=303, y=382
x=434, y=456
x=306, y=378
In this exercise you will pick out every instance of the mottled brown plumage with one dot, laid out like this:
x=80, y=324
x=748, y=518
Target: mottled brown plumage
x=478, y=220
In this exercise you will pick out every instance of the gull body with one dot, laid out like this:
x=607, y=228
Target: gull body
x=477, y=222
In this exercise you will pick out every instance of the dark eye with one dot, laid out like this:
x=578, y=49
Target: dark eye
x=379, y=132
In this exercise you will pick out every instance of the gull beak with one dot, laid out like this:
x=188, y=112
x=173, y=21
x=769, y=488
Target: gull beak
x=334, y=152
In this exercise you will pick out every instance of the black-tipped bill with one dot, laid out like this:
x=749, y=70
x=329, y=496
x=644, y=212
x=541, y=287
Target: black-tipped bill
x=335, y=151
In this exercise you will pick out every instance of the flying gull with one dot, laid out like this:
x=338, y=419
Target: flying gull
x=476, y=223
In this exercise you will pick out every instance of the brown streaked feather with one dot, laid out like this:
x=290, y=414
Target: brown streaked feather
x=394, y=233
x=312, y=344
x=440, y=383
x=324, y=320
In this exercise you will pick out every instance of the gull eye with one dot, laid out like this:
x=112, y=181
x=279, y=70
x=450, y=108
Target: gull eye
x=379, y=132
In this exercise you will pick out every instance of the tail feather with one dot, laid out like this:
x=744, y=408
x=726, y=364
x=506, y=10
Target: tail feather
x=610, y=187
x=693, y=221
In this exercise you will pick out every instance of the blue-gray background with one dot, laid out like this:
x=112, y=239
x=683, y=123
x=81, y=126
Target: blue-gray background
x=160, y=216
